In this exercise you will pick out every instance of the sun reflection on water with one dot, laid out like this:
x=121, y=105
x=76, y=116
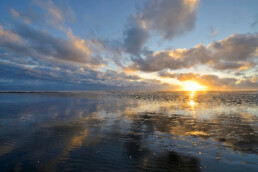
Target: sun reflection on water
x=134, y=127
x=192, y=94
x=192, y=103
x=191, y=97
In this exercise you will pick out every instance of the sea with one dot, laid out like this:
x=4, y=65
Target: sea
x=129, y=131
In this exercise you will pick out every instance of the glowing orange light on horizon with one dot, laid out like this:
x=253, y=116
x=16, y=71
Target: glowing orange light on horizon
x=193, y=86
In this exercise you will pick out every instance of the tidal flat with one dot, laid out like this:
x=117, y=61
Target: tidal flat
x=129, y=131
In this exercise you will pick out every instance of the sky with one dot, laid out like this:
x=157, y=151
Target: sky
x=128, y=45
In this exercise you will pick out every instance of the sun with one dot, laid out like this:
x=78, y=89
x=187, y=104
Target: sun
x=193, y=86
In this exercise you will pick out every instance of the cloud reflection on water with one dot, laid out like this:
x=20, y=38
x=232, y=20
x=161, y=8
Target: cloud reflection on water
x=126, y=130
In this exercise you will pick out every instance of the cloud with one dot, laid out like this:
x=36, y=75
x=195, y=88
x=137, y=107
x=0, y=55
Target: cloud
x=33, y=42
x=213, y=32
x=236, y=47
x=47, y=12
x=112, y=75
x=31, y=54
x=12, y=41
x=237, y=51
x=135, y=38
x=167, y=18
x=255, y=22
x=213, y=82
x=28, y=16
x=55, y=15
x=27, y=41
x=50, y=76
x=165, y=74
x=14, y=13
x=249, y=83
x=238, y=73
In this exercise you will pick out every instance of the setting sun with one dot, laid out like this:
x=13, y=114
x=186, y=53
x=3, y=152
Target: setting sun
x=193, y=86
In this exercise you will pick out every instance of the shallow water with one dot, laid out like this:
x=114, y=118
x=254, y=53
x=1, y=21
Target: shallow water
x=129, y=131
